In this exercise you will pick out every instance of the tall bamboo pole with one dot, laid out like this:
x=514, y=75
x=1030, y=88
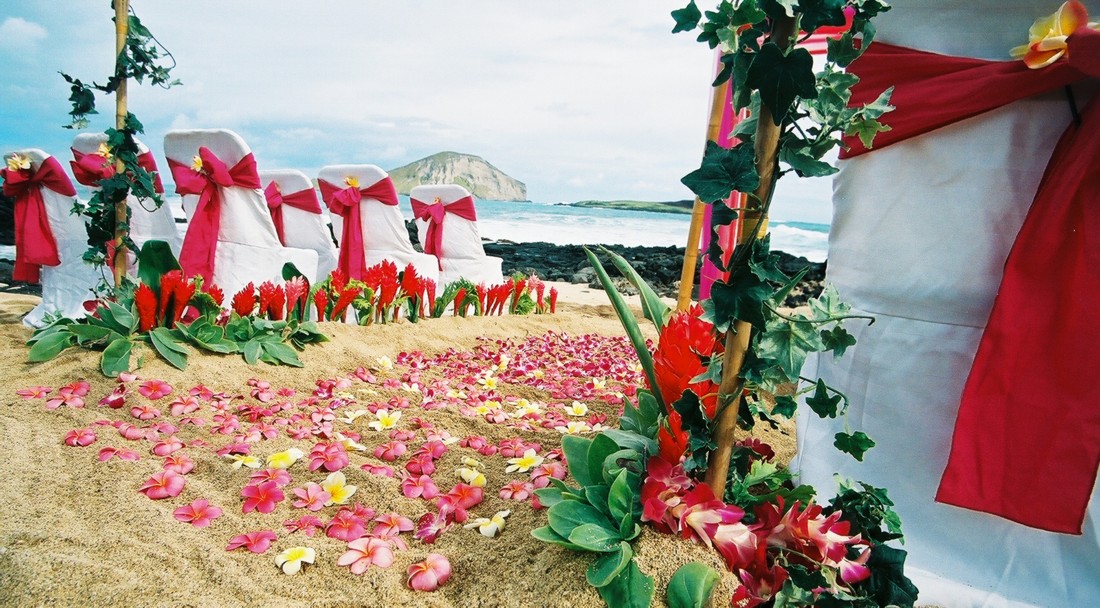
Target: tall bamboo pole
x=737, y=340
x=698, y=211
x=122, y=22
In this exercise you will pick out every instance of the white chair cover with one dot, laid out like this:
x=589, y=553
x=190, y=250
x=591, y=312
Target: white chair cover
x=67, y=286
x=248, y=247
x=461, y=253
x=385, y=236
x=146, y=221
x=920, y=234
x=302, y=229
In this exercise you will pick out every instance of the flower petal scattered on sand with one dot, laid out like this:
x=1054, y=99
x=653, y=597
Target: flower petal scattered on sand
x=243, y=460
x=199, y=513
x=165, y=484
x=576, y=409
x=429, y=574
x=489, y=526
x=290, y=561
x=34, y=392
x=336, y=485
x=524, y=463
x=365, y=552
x=473, y=477
x=261, y=497
x=154, y=389
x=256, y=542
x=80, y=438
x=312, y=497
x=285, y=459
x=385, y=420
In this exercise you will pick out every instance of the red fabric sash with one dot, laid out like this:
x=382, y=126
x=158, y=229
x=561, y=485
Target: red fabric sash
x=1027, y=439
x=89, y=169
x=306, y=200
x=345, y=203
x=201, y=241
x=35, y=245
x=434, y=214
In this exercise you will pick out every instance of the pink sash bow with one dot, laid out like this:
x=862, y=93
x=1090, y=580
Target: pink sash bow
x=89, y=169
x=35, y=245
x=201, y=241
x=345, y=203
x=434, y=213
x=306, y=200
x=1027, y=438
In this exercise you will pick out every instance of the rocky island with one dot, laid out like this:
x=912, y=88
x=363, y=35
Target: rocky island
x=474, y=173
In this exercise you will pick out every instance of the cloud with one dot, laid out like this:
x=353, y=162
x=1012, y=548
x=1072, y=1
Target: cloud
x=18, y=34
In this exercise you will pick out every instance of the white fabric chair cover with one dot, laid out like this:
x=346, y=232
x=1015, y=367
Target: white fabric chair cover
x=302, y=229
x=461, y=253
x=920, y=234
x=248, y=247
x=67, y=286
x=146, y=222
x=385, y=236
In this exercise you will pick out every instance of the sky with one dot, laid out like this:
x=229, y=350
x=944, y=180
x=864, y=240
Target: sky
x=577, y=99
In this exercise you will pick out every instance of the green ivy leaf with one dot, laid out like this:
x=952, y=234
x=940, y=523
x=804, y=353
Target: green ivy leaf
x=837, y=340
x=781, y=78
x=816, y=13
x=889, y=585
x=691, y=586
x=747, y=12
x=723, y=171
x=866, y=129
x=828, y=305
x=788, y=343
x=686, y=18
x=855, y=444
x=822, y=402
x=630, y=589
x=607, y=567
x=804, y=164
x=785, y=407
x=741, y=296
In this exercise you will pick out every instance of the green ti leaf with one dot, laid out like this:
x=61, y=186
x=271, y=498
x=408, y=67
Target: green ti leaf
x=722, y=172
x=855, y=444
x=653, y=308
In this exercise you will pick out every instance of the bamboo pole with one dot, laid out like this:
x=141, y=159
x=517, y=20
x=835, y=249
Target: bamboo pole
x=122, y=21
x=737, y=341
x=698, y=211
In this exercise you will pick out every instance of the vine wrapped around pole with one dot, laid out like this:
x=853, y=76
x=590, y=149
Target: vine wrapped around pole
x=119, y=262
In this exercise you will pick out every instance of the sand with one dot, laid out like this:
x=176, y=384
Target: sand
x=75, y=532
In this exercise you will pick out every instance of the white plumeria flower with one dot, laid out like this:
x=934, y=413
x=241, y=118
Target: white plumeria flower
x=596, y=428
x=243, y=460
x=456, y=394
x=350, y=417
x=17, y=162
x=489, y=526
x=537, y=373
x=337, y=487
x=449, y=439
x=473, y=463
x=577, y=409
x=383, y=362
x=599, y=384
x=473, y=477
x=636, y=368
x=345, y=395
x=488, y=381
x=291, y=560
x=524, y=407
x=284, y=459
x=367, y=392
x=410, y=388
x=524, y=463
x=349, y=443
x=574, y=428
x=504, y=361
x=385, y=420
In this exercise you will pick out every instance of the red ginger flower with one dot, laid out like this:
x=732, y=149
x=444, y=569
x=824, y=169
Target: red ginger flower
x=346, y=297
x=245, y=300
x=168, y=283
x=672, y=439
x=553, y=300
x=146, y=302
x=320, y=302
x=297, y=290
x=410, y=282
x=459, y=305
x=686, y=342
x=271, y=300
x=215, y=293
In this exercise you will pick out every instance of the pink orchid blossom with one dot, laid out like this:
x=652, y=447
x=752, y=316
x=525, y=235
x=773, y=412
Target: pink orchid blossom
x=390, y=524
x=256, y=542
x=262, y=497
x=199, y=513
x=179, y=463
x=429, y=574
x=108, y=453
x=280, y=477
x=80, y=438
x=307, y=524
x=167, y=446
x=419, y=486
x=312, y=497
x=365, y=552
x=154, y=389
x=345, y=526
x=164, y=484
x=34, y=392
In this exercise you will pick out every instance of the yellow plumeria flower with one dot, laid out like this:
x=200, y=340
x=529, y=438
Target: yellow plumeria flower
x=537, y=373
x=577, y=409
x=337, y=487
x=489, y=526
x=574, y=428
x=473, y=463
x=524, y=463
x=385, y=420
x=482, y=409
x=473, y=477
x=383, y=362
x=243, y=460
x=349, y=443
x=504, y=361
x=1047, y=38
x=18, y=162
x=284, y=459
x=489, y=382
x=196, y=163
x=352, y=181
x=291, y=560
x=350, y=417
x=599, y=384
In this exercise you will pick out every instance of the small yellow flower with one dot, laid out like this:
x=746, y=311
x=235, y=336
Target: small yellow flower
x=455, y=394
x=291, y=560
x=337, y=487
x=351, y=181
x=524, y=407
x=473, y=477
x=17, y=162
x=524, y=463
x=383, y=363
x=245, y=460
x=538, y=374
x=103, y=150
x=489, y=526
x=385, y=420
x=489, y=382
x=196, y=163
x=504, y=361
x=284, y=459
x=577, y=409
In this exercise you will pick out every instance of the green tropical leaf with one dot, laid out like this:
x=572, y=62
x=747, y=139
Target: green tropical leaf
x=855, y=444
x=89, y=333
x=547, y=535
x=691, y=586
x=653, y=308
x=50, y=345
x=283, y=354
x=595, y=537
x=166, y=346
x=567, y=515
x=723, y=171
x=782, y=78
x=576, y=449
x=620, y=499
x=686, y=18
x=608, y=566
x=251, y=351
x=632, y=441
x=602, y=447
x=549, y=497
x=116, y=357
x=154, y=259
x=630, y=589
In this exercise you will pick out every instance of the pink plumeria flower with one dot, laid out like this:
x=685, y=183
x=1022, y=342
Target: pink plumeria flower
x=108, y=453
x=256, y=542
x=307, y=524
x=419, y=486
x=184, y=405
x=517, y=490
x=179, y=463
x=80, y=438
x=165, y=484
x=116, y=398
x=429, y=574
x=262, y=497
x=127, y=377
x=381, y=471
x=144, y=411
x=70, y=395
x=199, y=513
x=279, y=476
x=365, y=552
x=390, y=524
x=154, y=389
x=167, y=446
x=390, y=451
x=346, y=526
x=34, y=392
x=312, y=497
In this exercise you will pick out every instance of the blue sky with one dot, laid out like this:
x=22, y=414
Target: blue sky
x=578, y=99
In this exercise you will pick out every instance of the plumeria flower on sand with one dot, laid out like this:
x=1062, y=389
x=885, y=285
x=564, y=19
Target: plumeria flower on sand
x=577, y=409
x=199, y=513
x=383, y=363
x=338, y=489
x=349, y=443
x=312, y=497
x=429, y=574
x=489, y=526
x=488, y=381
x=243, y=460
x=1047, y=40
x=291, y=560
x=473, y=477
x=525, y=407
x=154, y=389
x=350, y=417
x=256, y=542
x=385, y=420
x=575, y=427
x=165, y=484
x=365, y=552
x=108, y=453
x=34, y=392
x=517, y=490
x=473, y=463
x=524, y=463
x=261, y=497
x=284, y=459
x=80, y=437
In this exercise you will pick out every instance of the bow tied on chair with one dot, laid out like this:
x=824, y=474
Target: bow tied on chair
x=90, y=169
x=35, y=245
x=435, y=213
x=306, y=200
x=205, y=178
x=344, y=201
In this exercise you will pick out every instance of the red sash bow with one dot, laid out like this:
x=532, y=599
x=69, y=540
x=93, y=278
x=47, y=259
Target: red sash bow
x=435, y=213
x=201, y=241
x=1028, y=424
x=35, y=245
x=345, y=203
x=89, y=169
x=306, y=200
